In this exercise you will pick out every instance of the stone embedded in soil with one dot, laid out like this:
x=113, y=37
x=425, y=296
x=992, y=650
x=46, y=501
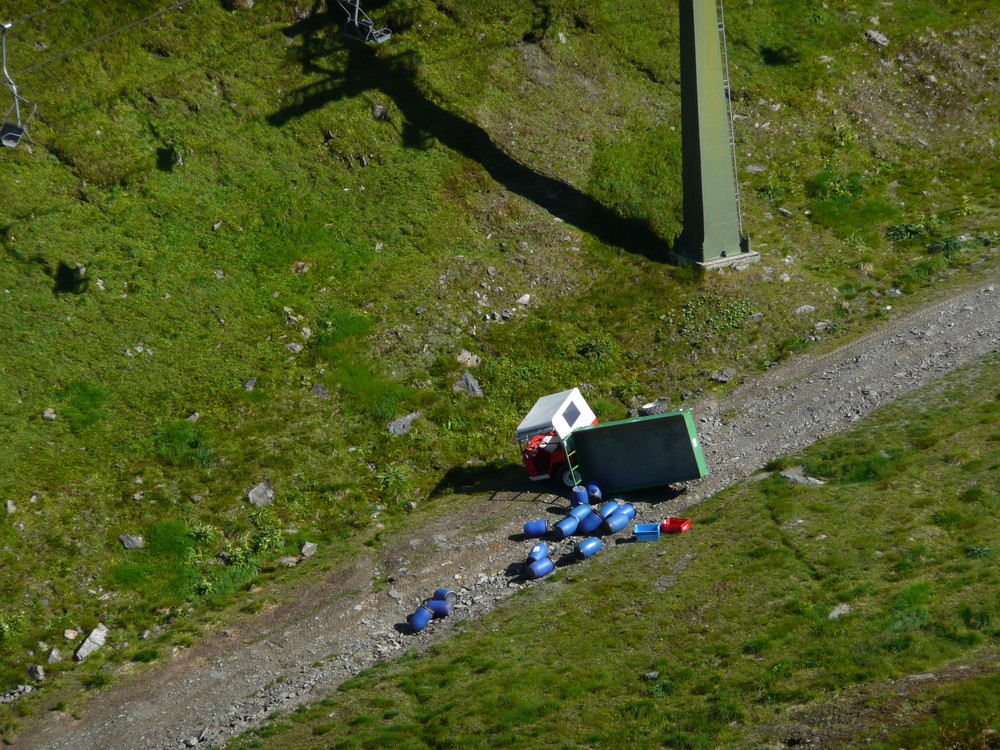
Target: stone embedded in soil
x=308, y=549
x=261, y=495
x=94, y=641
x=839, y=611
x=404, y=424
x=468, y=384
x=131, y=541
x=49, y=415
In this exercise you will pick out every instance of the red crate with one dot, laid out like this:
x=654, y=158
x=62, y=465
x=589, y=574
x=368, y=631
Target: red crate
x=675, y=525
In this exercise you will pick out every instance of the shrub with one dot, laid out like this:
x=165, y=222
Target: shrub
x=83, y=404
x=181, y=443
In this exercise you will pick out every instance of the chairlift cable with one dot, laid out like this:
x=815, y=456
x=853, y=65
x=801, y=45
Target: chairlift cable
x=179, y=5
x=29, y=16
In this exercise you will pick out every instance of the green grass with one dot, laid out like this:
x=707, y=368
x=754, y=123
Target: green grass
x=744, y=633
x=205, y=170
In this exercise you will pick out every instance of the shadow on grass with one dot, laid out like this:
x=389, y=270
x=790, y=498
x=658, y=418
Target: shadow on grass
x=425, y=121
x=482, y=480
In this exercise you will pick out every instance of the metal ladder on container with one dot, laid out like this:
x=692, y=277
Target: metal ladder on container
x=729, y=108
x=573, y=469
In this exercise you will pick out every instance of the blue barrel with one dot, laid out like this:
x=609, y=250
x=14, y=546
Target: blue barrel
x=580, y=512
x=608, y=508
x=615, y=523
x=536, y=528
x=419, y=619
x=593, y=493
x=578, y=496
x=628, y=509
x=446, y=595
x=588, y=547
x=538, y=552
x=590, y=524
x=565, y=527
x=540, y=568
x=440, y=607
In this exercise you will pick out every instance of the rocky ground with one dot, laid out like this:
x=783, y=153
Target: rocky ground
x=304, y=648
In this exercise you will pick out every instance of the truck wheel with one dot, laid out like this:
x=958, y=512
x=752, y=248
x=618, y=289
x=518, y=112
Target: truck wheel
x=562, y=473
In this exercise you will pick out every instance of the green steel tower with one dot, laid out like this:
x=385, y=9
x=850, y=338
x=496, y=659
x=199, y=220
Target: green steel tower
x=713, y=225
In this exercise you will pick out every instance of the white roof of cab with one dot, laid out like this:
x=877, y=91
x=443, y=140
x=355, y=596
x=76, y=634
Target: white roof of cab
x=549, y=412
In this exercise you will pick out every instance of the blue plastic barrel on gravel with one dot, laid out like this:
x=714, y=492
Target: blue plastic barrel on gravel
x=588, y=547
x=615, y=523
x=590, y=524
x=593, y=493
x=440, y=607
x=538, y=552
x=628, y=509
x=541, y=568
x=536, y=528
x=580, y=512
x=578, y=496
x=419, y=619
x=608, y=508
x=445, y=595
x=565, y=527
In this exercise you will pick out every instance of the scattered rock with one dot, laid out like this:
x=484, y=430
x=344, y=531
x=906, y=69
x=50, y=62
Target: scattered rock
x=55, y=655
x=261, y=495
x=562, y=38
x=379, y=112
x=321, y=391
x=468, y=384
x=784, y=211
x=725, y=376
x=70, y=634
x=839, y=611
x=301, y=267
x=308, y=549
x=288, y=561
x=36, y=672
x=468, y=359
x=11, y=507
x=93, y=642
x=756, y=168
x=805, y=310
x=49, y=415
x=294, y=347
x=249, y=385
x=237, y=4
x=15, y=693
x=524, y=299
x=877, y=37
x=796, y=476
x=219, y=273
x=131, y=541
x=650, y=676
x=403, y=425
x=193, y=417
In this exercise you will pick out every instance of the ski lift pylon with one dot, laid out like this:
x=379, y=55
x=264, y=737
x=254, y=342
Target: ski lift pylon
x=359, y=26
x=11, y=133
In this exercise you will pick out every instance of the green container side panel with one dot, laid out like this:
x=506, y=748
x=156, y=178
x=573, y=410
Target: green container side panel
x=633, y=454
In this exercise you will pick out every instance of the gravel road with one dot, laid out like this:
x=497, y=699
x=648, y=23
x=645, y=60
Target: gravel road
x=329, y=631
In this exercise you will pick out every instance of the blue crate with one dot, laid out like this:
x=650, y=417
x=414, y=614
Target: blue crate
x=647, y=532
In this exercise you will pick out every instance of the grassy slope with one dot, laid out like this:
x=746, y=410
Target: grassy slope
x=497, y=141
x=734, y=616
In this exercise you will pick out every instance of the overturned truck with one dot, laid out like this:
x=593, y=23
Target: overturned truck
x=561, y=438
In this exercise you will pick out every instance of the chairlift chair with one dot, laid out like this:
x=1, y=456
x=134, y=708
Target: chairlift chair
x=359, y=26
x=11, y=133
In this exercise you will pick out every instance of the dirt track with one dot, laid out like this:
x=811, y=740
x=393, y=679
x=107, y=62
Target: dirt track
x=227, y=683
